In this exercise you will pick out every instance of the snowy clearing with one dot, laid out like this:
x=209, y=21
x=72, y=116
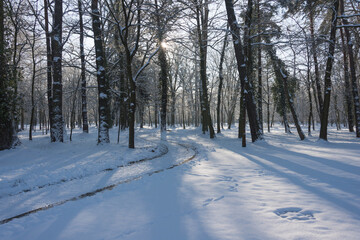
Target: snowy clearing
x=187, y=187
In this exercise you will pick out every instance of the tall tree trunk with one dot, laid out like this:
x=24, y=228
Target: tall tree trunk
x=314, y=52
x=268, y=98
x=241, y=64
x=281, y=73
x=7, y=130
x=221, y=79
x=308, y=86
x=103, y=85
x=290, y=101
x=132, y=102
x=164, y=88
x=329, y=64
x=355, y=92
x=183, y=103
x=347, y=93
x=32, y=44
x=56, y=43
x=83, y=76
x=259, y=65
x=163, y=75
x=202, y=18
x=49, y=68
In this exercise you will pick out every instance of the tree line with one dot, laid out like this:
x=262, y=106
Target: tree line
x=208, y=63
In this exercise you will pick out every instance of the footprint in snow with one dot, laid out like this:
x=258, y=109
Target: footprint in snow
x=233, y=188
x=209, y=200
x=295, y=213
x=226, y=179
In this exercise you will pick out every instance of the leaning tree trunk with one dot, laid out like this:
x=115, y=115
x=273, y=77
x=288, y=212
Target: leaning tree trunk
x=290, y=101
x=103, y=86
x=56, y=44
x=241, y=64
x=329, y=64
x=83, y=76
x=281, y=73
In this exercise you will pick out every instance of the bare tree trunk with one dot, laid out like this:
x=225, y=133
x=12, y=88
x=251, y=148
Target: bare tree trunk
x=72, y=112
x=268, y=98
x=221, y=79
x=202, y=15
x=241, y=64
x=348, y=100
x=259, y=65
x=32, y=45
x=352, y=73
x=314, y=52
x=329, y=64
x=281, y=73
x=308, y=86
x=49, y=68
x=103, y=85
x=83, y=76
x=56, y=44
x=292, y=108
x=164, y=88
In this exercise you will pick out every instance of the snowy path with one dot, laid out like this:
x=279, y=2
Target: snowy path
x=280, y=188
x=72, y=188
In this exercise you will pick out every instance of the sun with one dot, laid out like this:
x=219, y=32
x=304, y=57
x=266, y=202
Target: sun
x=164, y=44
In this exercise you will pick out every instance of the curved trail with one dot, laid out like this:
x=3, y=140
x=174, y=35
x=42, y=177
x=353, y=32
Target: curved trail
x=111, y=186
x=163, y=151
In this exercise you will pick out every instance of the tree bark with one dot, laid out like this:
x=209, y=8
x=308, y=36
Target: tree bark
x=314, y=52
x=7, y=131
x=103, y=85
x=202, y=15
x=241, y=64
x=49, y=67
x=56, y=44
x=221, y=79
x=85, y=124
x=355, y=93
x=327, y=80
x=259, y=65
x=347, y=91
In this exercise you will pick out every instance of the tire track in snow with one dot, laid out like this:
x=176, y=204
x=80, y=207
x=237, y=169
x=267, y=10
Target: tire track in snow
x=109, y=187
x=163, y=151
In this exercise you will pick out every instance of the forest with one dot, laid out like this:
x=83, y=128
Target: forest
x=179, y=119
x=126, y=64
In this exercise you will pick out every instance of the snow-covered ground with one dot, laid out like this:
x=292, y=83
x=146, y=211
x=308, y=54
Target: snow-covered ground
x=184, y=187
